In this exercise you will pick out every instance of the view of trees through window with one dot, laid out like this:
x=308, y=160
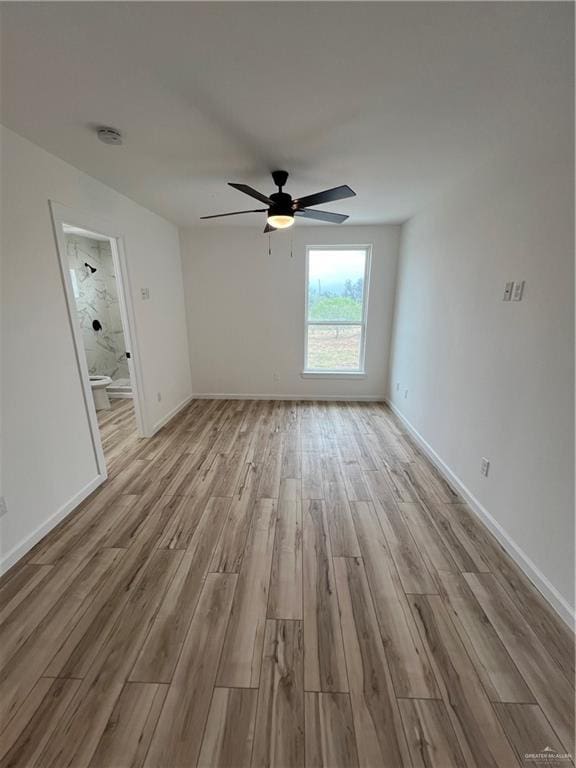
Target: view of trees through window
x=335, y=319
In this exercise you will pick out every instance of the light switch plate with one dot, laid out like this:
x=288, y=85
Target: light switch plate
x=508, y=288
x=518, y=290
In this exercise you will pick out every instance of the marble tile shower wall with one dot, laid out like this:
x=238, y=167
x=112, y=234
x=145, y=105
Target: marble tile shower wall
x=97, y=299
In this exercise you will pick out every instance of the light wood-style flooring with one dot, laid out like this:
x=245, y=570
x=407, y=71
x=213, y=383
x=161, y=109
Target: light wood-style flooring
x=277, y=584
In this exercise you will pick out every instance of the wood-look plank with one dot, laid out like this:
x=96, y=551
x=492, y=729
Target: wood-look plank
x=340, y=525
x=29, y=613
x=22, y=669
x=157, y=659
x=84, y=642
x=462, y=550
x=432, y=546
x=553, y=692
x=285, y=598
x=414, y=574
x=81, y=534
x=187, y=513
x=325, y=667
x=332, y=473
x=500, y=676
x=232, y=467
x=431, y=738
x=544, y=621
x=24, y=582
x=410, y=669
x=78, y=733
x=354, y=480
x=472, y=716
x=428, y=484
x=191, y=475
x=279, y=734
x=269, y=486
x=291, y=459
x=129, y=730
x=390, y=447
x=399, y=482
x=379, y=735
x=311, y=476
x=230, y=548
x=136, y=478
x=330, y=738
x=242, y=651
x=178, y=736
x=530, y=733
x=229, y=732
x=366, y=456
x=127, y=528
x=26, y=736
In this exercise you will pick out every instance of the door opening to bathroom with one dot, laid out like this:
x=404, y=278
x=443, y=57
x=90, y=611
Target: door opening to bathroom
x=92, y=272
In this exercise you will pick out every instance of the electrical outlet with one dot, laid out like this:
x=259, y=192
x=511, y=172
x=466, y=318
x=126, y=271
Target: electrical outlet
x=508, y=288
x=405, y=394
x=3, y=507
x=484, y=467
x=145, y=293
x=518, y=290
x=159, y=396
x=276, y=378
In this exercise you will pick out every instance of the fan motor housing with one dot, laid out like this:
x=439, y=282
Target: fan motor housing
x=282, y=204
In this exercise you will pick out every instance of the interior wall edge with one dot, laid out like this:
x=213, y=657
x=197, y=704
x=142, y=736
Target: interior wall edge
x=552, y=596
x=24, y=546
x=170, y=415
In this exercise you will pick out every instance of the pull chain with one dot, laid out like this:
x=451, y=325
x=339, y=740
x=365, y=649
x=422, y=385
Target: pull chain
x=269, y=245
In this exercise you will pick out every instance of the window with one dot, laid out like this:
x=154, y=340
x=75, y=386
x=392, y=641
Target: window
x=336, y=301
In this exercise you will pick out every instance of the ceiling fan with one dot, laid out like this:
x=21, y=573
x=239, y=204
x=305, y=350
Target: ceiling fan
x=282, y=208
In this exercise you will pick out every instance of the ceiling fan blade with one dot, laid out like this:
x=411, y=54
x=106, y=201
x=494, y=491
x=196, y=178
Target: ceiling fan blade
x=334, y=218
x=252, y=192
x=268, y=228
x=234, y=213
x=337, y=193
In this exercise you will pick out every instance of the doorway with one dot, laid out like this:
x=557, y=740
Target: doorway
x=93, y=272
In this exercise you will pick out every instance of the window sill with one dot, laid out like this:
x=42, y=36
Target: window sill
x=344, y=375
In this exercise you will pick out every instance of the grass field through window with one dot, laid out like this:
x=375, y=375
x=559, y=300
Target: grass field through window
x=334, y=347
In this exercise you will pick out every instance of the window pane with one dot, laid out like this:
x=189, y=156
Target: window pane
x=334, y=347
x=336, y=284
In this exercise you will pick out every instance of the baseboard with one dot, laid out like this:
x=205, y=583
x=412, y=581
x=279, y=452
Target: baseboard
x=170, y=415
x=350, y=398
x=120, y=395
x=12, y=557
x=548, y=590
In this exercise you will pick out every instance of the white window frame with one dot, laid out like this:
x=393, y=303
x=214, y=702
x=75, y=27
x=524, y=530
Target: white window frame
x=344, y=373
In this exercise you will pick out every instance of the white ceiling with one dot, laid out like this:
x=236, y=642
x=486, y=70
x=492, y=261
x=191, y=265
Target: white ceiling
x=397, y=100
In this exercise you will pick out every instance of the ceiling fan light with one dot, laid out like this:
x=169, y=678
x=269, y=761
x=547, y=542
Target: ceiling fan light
x=280, y=221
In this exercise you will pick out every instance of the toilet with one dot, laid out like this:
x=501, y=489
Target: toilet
x=99, y=384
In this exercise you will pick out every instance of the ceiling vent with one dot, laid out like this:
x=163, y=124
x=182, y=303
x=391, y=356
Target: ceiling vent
x=109, y=135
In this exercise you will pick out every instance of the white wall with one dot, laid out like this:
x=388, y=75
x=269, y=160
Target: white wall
x=47, y=455
x=495, y=379
x=246, y=309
